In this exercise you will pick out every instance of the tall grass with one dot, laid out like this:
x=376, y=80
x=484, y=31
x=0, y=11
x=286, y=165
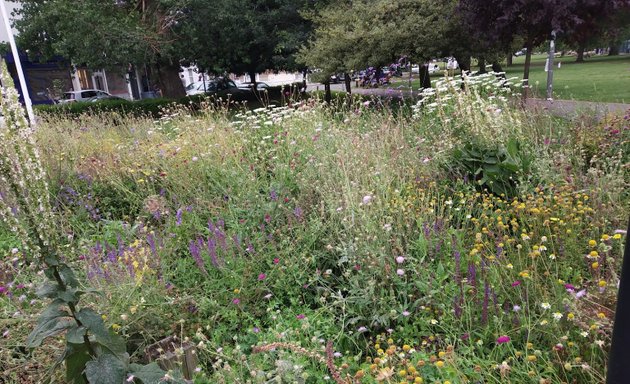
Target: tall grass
x=361, y=225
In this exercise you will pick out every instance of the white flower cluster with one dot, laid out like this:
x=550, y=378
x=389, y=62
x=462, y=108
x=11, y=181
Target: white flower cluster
x=449, y=91
x=24, y=197
x=267, y=116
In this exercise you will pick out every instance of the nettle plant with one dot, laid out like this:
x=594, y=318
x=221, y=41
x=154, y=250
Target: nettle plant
x=93, y=353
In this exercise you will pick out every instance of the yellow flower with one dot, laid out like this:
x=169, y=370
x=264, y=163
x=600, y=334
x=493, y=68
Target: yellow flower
x=417, y=380
x=441, y=354
x=592, y=243
x=439, y=364
x=531, y=358
x=595, y=265
x=617, y=236
x=570, y=316
x=402, y=373
x=406, y=348
x=605, y=237
x=601, y=315
x=593, y=254
x=602, y=283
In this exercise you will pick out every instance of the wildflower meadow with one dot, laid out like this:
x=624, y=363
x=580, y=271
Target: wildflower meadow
x=461, y=239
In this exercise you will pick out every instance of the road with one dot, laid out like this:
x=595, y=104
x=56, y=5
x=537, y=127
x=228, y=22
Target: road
x=564, y=108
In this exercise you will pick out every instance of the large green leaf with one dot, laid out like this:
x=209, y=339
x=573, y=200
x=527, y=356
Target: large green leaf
x=148, y=374
x=106, y=369
x=105, y=337
x=52, y=321
x=67, y=274
x=76, y=356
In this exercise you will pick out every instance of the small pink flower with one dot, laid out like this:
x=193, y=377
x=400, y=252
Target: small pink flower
x=236, y=301
x=503, y=339
x=516, y=283
x=262, y=277
x=301, y=316
x=276, y=260
x=400, y=260
x=400, y=272
x=569, y=287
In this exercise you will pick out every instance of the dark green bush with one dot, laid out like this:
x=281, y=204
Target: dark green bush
x=155, y=107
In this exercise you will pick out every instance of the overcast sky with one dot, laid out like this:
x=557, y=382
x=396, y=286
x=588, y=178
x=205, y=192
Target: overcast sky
x=3, y=28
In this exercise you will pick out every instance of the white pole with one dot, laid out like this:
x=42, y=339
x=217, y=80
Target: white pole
x=18, y=64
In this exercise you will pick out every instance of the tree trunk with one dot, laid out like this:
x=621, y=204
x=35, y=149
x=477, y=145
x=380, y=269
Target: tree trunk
x=425, y=77
x=169, y=83
x=252, y=78
x=496, y=68
x=613, y=49
x=580, y=54
x=464, y=63
x=327, y=93
x=528, y=61
x=347, y=80
x=509, y=59
x=482, y=65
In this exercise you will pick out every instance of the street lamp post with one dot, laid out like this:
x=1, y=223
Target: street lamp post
x=549, y=67
x=18, y=63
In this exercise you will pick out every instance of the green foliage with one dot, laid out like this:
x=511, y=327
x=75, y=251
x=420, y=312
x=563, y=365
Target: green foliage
x=497, y=169
x=356, y=35
x=157, y=108
x=93, y=350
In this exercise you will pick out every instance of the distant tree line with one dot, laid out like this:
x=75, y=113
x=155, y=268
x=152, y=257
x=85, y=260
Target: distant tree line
x=333, y=36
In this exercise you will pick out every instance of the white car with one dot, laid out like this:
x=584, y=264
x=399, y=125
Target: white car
x=85, y=95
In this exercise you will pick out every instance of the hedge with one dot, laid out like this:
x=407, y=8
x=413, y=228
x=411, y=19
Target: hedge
x=155, y=107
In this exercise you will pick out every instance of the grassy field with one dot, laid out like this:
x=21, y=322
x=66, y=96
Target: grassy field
x=458, y=241
x=600, y=78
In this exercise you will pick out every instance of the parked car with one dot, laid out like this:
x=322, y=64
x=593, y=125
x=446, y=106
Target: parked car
x=84, y=95
x=102, y=97
x=260, y=86
x=521, y=52
x=219, y=86
x=198, y=88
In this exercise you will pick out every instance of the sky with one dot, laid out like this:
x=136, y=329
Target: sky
x=3, y=29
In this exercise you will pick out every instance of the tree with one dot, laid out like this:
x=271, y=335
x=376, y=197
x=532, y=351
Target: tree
x=350, y=35
x=108, y=35
x=245, y=36
x=590, y=18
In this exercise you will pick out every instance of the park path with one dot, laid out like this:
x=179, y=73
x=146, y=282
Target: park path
x=563, y=108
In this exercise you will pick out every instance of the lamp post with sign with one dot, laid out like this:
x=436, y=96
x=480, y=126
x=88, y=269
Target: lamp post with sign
x=18, y=63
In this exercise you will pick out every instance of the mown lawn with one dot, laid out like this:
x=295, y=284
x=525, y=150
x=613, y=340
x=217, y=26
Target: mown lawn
x=599, y=78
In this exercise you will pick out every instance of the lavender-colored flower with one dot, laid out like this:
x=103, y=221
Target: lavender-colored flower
x=273, y=195
x=298, y=213
x=400, y=272
x=400, y=259
x=193, y=247
x=486, y=297
x=178, y=217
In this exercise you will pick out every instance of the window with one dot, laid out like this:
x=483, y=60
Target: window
x=88, y=94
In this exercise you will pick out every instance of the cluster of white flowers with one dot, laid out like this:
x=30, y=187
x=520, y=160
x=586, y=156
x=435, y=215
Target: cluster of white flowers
x=492, y=86
x=24, y=197
x=267, y=116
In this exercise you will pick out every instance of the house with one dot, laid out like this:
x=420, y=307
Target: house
x=45, y=81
